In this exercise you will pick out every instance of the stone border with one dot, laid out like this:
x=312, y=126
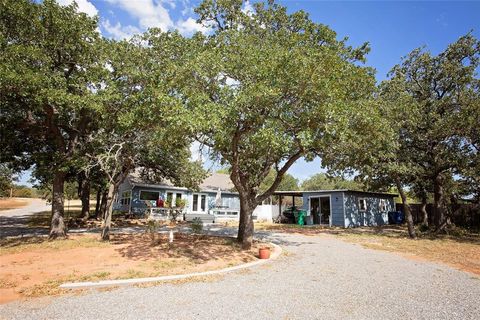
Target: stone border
x=124, y=282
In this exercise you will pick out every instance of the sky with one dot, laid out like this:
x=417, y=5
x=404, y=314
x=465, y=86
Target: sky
x=393, y=29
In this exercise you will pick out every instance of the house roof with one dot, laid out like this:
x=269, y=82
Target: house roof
x=213, y=182
x=217, y=181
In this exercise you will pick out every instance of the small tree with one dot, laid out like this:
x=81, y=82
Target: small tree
x=139, y=125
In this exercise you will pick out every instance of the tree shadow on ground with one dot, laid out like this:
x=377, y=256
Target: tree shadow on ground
x=195, y=248
x=19, y=226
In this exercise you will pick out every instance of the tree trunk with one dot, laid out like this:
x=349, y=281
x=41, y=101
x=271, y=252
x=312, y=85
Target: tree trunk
x=57, y=227
x=439, y=214
x=406, y=210
x=112, y=192
x=85, y=197
x=103, y=204
x=423, y=210
x=107, y=217
x=241, y=226
x=97, y=204
x=245, y=226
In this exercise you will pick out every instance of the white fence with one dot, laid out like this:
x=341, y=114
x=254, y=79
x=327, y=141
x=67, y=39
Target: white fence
x=264, y=212
x=267, y=212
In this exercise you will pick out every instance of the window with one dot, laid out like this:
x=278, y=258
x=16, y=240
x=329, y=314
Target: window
x=170, y=199
x=149, y=195
x=362, y=204
x=125, y=199
x=202, y=201
x=195, y=202
x=383, y=205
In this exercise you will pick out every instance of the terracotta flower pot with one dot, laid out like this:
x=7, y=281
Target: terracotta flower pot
x=264, y=253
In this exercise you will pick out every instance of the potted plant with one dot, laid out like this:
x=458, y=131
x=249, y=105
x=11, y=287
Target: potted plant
x=264, y=253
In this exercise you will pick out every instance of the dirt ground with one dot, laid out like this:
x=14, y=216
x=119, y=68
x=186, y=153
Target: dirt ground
x=12, y=203
x=32, y=267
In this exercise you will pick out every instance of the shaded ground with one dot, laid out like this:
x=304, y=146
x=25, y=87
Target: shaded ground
x=35, y=267
x=318, y=277
x=15, y=222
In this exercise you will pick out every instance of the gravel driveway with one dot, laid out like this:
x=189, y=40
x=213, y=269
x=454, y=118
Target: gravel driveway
x=318, y=277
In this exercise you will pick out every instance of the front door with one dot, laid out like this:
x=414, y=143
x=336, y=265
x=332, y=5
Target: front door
x=315, y=210
x=199, y=203
x=325, y=210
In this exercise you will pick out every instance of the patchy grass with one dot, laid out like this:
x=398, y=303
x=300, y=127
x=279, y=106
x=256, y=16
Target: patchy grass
x=18, y=245
x=12, y=203
x=34, y=266
x=294, y=228
x=74, y=219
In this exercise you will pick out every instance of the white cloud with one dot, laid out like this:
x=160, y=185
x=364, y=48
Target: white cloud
x=171, y=3
x=190, y=26
x=153, y=13
x=187, y=8
x=196, y=151
x=248, y=8
x=149, y=13
x=118, y=31
x=83, y=6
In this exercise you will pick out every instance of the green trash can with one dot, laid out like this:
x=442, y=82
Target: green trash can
x=301, y=217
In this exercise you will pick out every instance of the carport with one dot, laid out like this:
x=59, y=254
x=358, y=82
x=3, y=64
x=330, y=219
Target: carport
x=283, y=194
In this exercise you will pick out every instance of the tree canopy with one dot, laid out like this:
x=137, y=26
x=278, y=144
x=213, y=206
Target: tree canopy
x=264, y=90
x=322, y=181
x=72, y=100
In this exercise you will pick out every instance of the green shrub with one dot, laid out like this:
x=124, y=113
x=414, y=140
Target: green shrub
x=423, y=228
x=152, y=229
x=180, y=203
x=197, y=225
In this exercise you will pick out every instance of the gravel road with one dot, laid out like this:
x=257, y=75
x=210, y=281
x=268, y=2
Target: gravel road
x=318, y=277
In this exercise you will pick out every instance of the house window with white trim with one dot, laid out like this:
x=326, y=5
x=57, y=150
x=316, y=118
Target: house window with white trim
x=362, y=204
x=203, y=200
x=149, y=195
x=126, y=198
x=383, y=205
x=170, y=199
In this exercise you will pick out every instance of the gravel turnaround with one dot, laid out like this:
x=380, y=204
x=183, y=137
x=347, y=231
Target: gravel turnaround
x=318, y=277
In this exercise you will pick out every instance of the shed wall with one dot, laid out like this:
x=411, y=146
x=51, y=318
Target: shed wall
x=372, y=216
x=336, y=205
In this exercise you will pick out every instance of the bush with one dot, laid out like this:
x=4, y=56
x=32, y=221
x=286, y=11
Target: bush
x=197, y=225
x=152, y=229
x=23, y=192
x=423, y=228
x=180, y=203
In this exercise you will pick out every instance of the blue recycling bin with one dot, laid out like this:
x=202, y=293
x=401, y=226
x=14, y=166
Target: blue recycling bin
x=396, y=217
x=399, y=217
